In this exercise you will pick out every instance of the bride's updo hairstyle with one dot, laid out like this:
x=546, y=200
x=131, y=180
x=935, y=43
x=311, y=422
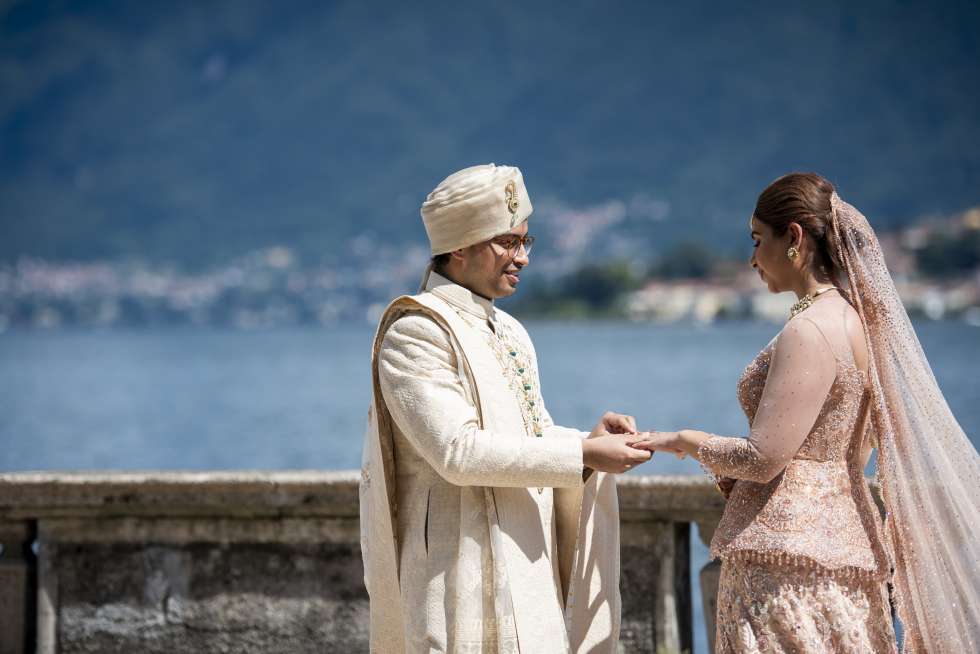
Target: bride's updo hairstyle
x=803, y=198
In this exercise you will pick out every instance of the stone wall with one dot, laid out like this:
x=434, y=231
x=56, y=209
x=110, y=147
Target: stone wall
x=266, y=562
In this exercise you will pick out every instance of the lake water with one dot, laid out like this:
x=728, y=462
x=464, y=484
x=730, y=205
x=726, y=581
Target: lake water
x=297, y=398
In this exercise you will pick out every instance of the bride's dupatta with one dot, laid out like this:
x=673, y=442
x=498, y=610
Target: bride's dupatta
x=928, y=469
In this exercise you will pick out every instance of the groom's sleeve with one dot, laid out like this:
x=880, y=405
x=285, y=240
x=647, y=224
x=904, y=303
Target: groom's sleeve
x=428, y=400
x=551, y=430
x=548, y=427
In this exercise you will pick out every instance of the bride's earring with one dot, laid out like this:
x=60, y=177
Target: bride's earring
x=792, y=253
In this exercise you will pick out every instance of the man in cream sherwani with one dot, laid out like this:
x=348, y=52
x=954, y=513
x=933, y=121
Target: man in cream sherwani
x=484, y=527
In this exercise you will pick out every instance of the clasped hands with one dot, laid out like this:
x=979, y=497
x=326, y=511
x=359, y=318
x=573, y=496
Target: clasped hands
x=616, y=446
x=609, y=448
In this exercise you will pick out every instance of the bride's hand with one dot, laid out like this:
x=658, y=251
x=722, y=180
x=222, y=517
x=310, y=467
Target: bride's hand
x=663, y=441
x=682, y=443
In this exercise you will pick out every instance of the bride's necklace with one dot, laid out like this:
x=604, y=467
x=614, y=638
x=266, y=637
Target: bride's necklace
x=804, y=302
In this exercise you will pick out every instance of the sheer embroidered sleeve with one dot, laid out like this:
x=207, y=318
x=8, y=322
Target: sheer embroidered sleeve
x=801, y=373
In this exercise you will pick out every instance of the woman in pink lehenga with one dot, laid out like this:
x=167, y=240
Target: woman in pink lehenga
x=805, y=557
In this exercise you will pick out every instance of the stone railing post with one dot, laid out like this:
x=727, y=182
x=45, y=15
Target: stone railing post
x=656, y=513
x=709, y=577
x=655, y=582
x=16, y=587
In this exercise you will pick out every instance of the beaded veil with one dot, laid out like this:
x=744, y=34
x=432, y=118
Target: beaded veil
x=928, y=469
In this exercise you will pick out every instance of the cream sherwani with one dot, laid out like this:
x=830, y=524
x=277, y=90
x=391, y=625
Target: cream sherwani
x=477, y=534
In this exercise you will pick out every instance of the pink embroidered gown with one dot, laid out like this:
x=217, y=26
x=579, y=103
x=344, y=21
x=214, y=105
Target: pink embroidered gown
x=803, y=566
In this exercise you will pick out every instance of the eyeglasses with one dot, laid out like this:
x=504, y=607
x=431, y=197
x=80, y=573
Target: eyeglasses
x=512, y=243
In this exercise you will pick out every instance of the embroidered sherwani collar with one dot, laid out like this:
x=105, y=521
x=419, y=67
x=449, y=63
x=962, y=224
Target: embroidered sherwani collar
x=460, y=297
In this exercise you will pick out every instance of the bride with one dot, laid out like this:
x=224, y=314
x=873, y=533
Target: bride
x=805, y=557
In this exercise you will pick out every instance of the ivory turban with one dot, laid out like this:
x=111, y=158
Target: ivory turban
x=474, y=205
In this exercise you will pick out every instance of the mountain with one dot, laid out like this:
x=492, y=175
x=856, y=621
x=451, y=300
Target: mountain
x=191, y=132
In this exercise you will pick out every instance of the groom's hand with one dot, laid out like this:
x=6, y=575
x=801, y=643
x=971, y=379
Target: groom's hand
x=614, y=423
x=612, y=453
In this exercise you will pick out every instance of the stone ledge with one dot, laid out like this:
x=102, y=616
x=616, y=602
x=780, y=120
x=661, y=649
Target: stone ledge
x=286, y=494
x=279, y=494
x=246, y=494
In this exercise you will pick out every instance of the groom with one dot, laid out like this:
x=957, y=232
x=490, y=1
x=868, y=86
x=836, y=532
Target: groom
x=483, y=525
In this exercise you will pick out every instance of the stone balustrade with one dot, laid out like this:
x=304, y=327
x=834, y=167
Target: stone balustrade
x=268, y=562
